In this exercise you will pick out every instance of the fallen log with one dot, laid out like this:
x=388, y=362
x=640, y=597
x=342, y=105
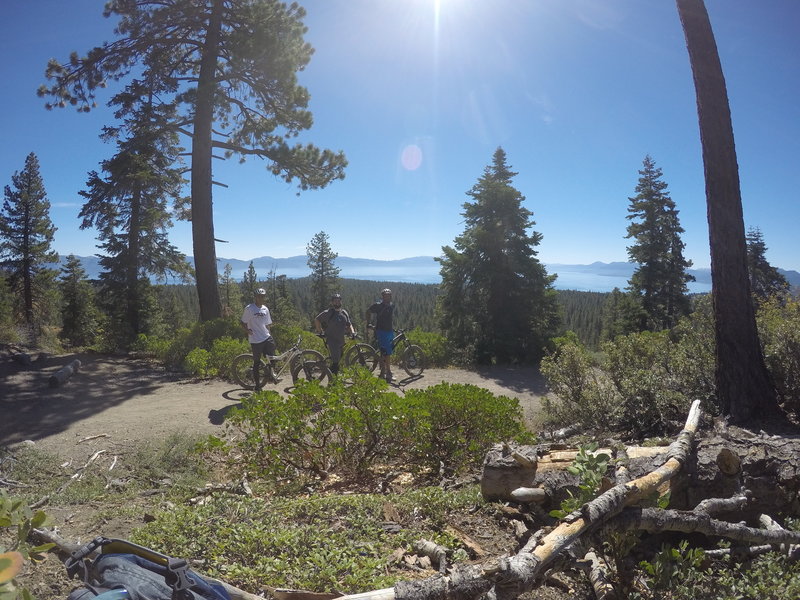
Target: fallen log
x=64, y=373
x=507, y=578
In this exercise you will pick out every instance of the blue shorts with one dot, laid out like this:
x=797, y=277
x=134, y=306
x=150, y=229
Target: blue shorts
x=384, y=341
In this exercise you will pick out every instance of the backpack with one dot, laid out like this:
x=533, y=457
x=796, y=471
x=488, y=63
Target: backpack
x=124, y=570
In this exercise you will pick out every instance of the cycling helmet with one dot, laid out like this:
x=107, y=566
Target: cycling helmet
x=261, y=292
x=335, y=296
x=385, y=291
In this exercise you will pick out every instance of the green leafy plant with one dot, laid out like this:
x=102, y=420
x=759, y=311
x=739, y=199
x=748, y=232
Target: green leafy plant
x=590, y=466
x=351, y=427
x=16, y=516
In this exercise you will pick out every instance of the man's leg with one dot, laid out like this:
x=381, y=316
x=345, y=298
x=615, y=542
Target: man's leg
x=256, y=350
x=335, y=348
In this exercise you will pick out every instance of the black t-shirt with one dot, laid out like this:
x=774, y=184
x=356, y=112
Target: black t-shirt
x=384, y=312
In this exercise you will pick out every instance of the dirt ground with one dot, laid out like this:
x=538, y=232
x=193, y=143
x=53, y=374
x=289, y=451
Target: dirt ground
x=125, y=400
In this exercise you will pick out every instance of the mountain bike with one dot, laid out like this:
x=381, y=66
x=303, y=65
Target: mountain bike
x=296, y=362
x=412, y=357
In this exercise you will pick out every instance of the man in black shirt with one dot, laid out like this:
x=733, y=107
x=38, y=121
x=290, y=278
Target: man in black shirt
x=384, y=330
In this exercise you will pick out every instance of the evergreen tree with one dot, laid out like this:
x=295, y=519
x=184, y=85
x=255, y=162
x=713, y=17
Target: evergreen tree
x=496, y=298
x=744, y=386
x=232, y=63
x=249, y=283
x=622, y=314
x=765, y=280
x=280, y=302
x=231, y=293
x=129, y=209
x=324, y=272
x=660, y=279
x=7, y=332
x=78, y=313
x=26, y=233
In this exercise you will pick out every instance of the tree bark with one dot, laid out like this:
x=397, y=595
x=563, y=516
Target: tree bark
x=742, y=380
x=205, y=254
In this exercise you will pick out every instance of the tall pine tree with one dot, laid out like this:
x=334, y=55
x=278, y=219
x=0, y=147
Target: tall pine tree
x=129, y=207
x=26, y=233
x=744, y=387
x=226, y=72
x=324, y=272
x=660, y=278
x=765, y=280
x=497, y=299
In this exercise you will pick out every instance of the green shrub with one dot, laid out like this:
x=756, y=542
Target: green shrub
x=583, y=394
x=456, y=424
x=640, y=367
x=352, y=428
x=197, y=363
x=223, y=351
x=779, y=328
x=435, y=345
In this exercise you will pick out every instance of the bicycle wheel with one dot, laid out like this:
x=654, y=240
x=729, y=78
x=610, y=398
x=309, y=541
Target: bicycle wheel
x=310, y=364
x=242, y=370
x=413, y=361
x=361, y=355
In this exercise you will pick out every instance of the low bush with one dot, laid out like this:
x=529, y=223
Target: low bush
x=351, y=428
x=434, y=345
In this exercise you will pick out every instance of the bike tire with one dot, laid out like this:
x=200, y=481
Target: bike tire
x=361, y=355
x=242, y=370
x=413, y=361
x=309, y=365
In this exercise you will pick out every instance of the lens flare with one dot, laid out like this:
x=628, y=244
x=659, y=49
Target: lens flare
x=411, y=158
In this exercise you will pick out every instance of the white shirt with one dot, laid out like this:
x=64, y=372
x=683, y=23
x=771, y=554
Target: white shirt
x=258, y=321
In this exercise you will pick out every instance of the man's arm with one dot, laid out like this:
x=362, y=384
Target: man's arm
x=317, y=325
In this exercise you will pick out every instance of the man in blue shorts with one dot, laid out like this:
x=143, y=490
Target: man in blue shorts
x=384, y=330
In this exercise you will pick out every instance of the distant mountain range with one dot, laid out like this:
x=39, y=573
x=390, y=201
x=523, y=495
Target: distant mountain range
x=598, y=276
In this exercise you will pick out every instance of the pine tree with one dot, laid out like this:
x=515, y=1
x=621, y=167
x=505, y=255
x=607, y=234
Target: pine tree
x=129, y=209
x=26, y=233
x=249, y=282
x=231, y=293
x=496, y=297
x=744, y=386
x=324, y=272
x=78, y=313
x=622, y=314
x=660, y=278
x=229, y=63
x=765, y=280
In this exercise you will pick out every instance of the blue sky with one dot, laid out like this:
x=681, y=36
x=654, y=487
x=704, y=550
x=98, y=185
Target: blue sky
x=419, y=94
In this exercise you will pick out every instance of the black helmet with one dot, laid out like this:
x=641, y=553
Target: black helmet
x=385, y=291
x=261, y=292
x=337, y=295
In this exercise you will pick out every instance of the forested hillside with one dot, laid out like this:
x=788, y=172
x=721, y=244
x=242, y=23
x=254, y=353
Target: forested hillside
x=582, y=312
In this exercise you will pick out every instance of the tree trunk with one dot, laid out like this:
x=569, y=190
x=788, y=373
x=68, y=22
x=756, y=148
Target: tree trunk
x=205, y=254
x=743, y=384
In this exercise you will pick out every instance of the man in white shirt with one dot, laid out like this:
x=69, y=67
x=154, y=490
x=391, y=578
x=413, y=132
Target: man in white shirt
x=256, y=321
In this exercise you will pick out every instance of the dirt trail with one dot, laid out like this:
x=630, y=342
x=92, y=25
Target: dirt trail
x=126, y=400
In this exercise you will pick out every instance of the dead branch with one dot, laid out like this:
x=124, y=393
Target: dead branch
x=655, y=520
x=435, y=552
x=715, y=506
x=597, y=571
